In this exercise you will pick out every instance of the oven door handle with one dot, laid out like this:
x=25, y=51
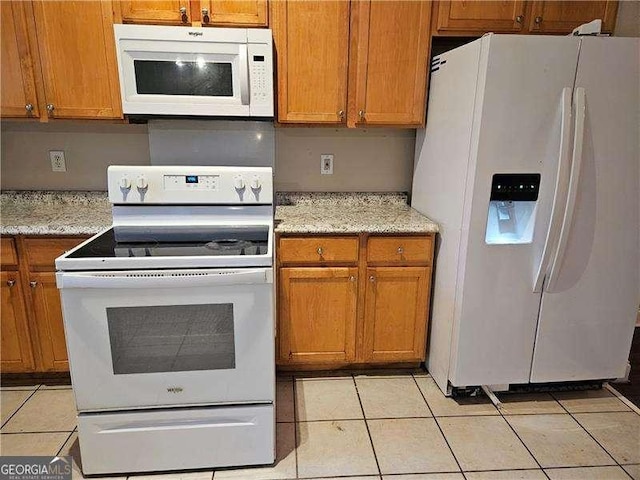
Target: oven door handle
x=167, y=279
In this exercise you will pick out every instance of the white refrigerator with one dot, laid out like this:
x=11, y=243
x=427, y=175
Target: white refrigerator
x=530, y=164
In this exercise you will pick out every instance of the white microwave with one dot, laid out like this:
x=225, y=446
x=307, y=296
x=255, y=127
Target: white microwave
x=221, y=72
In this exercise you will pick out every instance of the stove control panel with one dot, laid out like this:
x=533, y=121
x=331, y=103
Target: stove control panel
x=190, y=185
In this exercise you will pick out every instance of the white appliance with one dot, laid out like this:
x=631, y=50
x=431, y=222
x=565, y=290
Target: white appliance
x=169, y=321
x=530, y=164
x=185, y=71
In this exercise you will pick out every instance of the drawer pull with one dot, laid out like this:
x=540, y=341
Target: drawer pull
x=33, y=284
x=400, y=250
x=352, y=278
x=11, y=283
x=372, y=279
x=319, y=250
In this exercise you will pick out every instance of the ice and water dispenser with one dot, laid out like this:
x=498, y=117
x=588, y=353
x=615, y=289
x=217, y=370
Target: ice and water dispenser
x=512, y=208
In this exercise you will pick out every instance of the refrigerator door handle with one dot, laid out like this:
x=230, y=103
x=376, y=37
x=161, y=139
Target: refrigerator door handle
x=562, y=179
x=576, y=165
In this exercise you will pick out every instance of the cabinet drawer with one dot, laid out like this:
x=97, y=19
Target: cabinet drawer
x=400, y=249
x=8, y=254
x=42, y=252
x=320, y=250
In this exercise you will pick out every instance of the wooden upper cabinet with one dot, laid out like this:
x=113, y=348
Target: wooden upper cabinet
x=388, y=62
x=247, y=13
x=77, y=52
x=564, y=16
x=15, y=352
x=317, y=315
x=156, y=12
x=17, y=69
x=312, y=47
x=475, y=17
x=396, y=307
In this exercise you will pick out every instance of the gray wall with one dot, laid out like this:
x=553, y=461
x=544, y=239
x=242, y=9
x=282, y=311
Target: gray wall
x=365, y=160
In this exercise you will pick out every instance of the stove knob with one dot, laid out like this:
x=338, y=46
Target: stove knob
x=255, y=183
x=125, y=183
x=142, y=183
x=238, y=182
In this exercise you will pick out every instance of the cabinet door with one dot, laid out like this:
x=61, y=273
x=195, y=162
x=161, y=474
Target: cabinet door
x=77, y=51
x=564, y=16
x=239, y=13
x=476, y=17
x=15, y=353
x=156, y=12
x=17, y=75
x=317, y=321
x=396, y=312
x=45, y=299
x=388, y=62
x=312, y=42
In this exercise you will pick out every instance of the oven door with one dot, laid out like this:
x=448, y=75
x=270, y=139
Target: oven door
x=140, y=339
x=162, y=75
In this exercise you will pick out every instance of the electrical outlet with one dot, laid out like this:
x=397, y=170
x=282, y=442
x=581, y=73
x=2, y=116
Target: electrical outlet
x=57, y=161
x=326, y=164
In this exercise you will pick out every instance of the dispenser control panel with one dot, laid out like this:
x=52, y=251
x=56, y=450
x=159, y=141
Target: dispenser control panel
x=515, y=187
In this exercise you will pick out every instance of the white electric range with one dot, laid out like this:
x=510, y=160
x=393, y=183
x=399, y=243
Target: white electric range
x=169, y=320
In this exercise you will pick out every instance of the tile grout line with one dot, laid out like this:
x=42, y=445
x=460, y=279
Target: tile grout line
x=435, y=419
x=295, y=422
x=522, y=442
x=33, y=392
x=592, y=437
x=64, y=443
x=366, y=424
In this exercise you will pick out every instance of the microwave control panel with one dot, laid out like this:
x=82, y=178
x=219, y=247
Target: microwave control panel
x=260, y=60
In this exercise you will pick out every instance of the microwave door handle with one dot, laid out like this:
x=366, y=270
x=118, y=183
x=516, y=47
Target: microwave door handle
x=244, y=75
x=162, y=280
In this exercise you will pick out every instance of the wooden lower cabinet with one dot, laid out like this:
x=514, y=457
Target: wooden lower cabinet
x=33, y=338
x=318, y=314
x=367, y=305
x=396, y=314
x=45, y=299
x=15, y=349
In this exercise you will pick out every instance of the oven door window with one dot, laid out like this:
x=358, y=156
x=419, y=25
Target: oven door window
x=176, y=338
x=194, y=78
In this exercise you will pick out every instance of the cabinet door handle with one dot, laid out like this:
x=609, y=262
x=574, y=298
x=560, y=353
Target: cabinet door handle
x=50, y=108
x=29, y=108
x=341, y=114
x=183, y=13
x=11, y=283
x=352, y=278
x=520, y=18
x=320, y=251
x=372, y=279
x=33, y=284
x=205, y=15
x=361, y=114
x=538, y=20
x=400, y=250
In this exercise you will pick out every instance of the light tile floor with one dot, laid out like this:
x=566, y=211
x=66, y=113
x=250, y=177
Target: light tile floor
x=369, y=427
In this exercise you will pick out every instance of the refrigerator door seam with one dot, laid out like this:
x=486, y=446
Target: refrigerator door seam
x=560, y=190
x=576, y=164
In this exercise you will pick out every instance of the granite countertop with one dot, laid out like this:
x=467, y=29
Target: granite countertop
x=54, y=213
x=349, y=213
x=87, y=213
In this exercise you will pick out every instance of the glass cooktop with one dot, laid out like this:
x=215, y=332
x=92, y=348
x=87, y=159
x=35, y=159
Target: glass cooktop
x=179, y=241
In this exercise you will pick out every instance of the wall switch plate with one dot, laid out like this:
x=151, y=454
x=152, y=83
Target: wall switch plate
x=326, y=164
x=58, y=163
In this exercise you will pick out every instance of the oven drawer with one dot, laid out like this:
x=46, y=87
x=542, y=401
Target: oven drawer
x=176, y=439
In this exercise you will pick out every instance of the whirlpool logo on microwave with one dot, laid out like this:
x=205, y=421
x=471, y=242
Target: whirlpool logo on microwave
x=195, y=34
x=174, y=389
